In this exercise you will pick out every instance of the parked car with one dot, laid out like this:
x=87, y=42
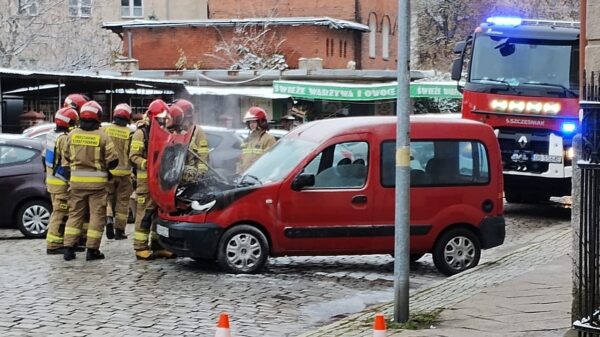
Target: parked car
x=328, y=188
x=38, y=131
x=25, y=201
x=225, y=149
x=277, y=133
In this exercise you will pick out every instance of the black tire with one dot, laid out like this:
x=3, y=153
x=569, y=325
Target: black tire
x=456, y=250
x=33, y=218
x=243, y=250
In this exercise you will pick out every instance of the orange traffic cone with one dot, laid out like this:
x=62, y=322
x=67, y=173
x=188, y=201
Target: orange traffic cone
x=223, y=326
x=379, y=328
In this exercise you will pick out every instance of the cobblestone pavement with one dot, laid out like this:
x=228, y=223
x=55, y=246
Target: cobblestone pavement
x=46, y=296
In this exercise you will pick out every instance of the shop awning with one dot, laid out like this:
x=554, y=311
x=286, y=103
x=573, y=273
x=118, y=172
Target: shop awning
x=262, y=92
x=333, y=91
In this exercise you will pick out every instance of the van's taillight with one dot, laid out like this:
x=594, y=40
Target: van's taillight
x=487, y=205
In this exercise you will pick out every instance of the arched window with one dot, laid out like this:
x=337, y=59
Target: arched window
x=372, y=35
x=385, y=38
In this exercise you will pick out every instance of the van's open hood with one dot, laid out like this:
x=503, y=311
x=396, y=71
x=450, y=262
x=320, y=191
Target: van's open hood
x=167, y=153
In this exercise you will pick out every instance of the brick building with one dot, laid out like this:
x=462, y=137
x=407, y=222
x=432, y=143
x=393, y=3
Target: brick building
x=343, y=33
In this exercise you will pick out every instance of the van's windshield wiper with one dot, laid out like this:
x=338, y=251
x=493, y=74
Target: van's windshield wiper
x=556, y=85
x=244, y=182
x=508, y=85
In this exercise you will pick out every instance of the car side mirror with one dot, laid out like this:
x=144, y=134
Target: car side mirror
x=303, y=180
x=457, y=66
x=459, y=47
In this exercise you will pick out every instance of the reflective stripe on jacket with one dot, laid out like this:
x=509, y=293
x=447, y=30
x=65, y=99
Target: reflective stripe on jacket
x=257, y=143
x=120, y=136
x=87, y=153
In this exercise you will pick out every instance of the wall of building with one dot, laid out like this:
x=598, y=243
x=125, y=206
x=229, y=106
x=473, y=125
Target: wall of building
x=161, y=48
x=592, y=51
x=339, y=9
x=382, y=13
x=159, y=9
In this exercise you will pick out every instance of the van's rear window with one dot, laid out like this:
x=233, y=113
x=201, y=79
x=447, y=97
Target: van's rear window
x=439, y=163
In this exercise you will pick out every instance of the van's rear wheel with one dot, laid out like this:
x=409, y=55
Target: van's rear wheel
x=456, y=250
x=243, y=250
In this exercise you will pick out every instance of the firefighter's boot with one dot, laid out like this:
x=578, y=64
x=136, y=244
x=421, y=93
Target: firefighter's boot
x=69, y=253
x=93, y=254
x=81, y=245
x=110, y=227
x=165, y=254
x=144, y=254
x=120, y=234
x=55, y=251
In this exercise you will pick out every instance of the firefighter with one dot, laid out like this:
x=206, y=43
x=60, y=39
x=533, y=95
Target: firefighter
x=75, y=101
x=259, y=140
x=145, y=239
x=89, y=155
x=119, y=187
x=196, y=162
x=56, y=183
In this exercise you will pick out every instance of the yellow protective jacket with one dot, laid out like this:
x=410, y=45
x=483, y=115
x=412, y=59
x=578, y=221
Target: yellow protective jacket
x=121, y=138
x=55, y=145
x=138, y=152
x=198, y=145
x=88, y=154
x=257, y=143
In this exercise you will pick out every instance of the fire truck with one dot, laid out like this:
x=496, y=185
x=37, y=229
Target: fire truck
x=521, y=77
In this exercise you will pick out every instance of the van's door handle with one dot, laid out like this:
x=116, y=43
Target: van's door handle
x=359, y=199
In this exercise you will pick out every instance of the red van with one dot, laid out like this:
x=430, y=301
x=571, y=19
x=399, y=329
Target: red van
x=327, y=188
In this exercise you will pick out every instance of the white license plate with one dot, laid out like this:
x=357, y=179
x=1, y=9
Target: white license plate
x=546, y=158
x=162, y=231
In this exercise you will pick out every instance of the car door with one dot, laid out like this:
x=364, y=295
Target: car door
x=167, y=153
x=334, y=215
x=15, y=173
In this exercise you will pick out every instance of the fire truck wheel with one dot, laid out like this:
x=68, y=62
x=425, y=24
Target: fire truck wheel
x=243, y=249
x=456, y=250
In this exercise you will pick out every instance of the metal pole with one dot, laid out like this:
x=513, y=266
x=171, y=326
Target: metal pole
x=59, y=93
x=402, y=223
x=1, y=105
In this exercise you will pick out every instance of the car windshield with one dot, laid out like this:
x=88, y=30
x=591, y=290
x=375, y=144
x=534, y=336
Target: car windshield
x=277, y=163
x=517, y=62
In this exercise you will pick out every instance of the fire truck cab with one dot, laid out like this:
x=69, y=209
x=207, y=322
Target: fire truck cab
x=521, y=77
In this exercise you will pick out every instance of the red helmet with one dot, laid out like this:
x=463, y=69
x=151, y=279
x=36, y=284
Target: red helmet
x=65, y=117
x=75, y=101
x=177, y=115
x=157, y=108
x=255, y=114
x=91, y=110
x=122, y=110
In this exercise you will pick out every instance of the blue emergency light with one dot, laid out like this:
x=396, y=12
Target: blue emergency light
x=504, y=21
x=568, y=127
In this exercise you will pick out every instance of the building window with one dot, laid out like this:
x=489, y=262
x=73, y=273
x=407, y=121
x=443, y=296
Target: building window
x=29, y=7
x=80, y=8
x=385, y=38
x=131, y=8
x=327, y=53
x=372, y=35
x=341, y=47
x=345, y=45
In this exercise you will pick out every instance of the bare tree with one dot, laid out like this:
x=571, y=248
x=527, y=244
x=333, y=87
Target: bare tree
x=42, y=34
x=445, y=22
x=252, y=47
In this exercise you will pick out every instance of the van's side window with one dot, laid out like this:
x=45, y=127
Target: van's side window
x=343, y=165
x=435, y=163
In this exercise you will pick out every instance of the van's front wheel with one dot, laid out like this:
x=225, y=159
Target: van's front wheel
x=456, y=250
x=243, y=250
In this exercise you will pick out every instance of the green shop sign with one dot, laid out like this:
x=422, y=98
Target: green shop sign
x=367, y=92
